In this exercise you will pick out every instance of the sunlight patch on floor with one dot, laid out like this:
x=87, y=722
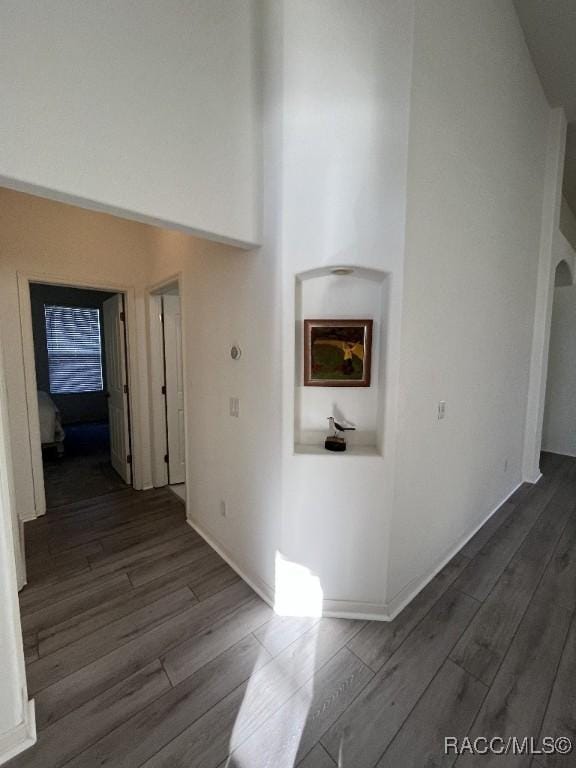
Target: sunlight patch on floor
x=285, y=681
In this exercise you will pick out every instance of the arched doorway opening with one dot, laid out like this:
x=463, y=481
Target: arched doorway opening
x=559, y=423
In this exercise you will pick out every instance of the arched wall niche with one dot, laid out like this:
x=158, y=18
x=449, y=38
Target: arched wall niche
x=326, y=293
x=559, y=406
x=563, y=274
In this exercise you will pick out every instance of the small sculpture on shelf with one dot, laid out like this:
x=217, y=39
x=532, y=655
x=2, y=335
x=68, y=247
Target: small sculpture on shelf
x=336, y=440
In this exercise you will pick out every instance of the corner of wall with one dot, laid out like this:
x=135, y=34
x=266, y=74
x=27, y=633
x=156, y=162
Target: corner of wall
x=27, y=515
x=262, y=589
x=550, y=223
x=21, y=737
x=405, y=596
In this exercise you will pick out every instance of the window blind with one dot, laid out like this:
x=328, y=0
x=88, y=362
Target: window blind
x=74, y=349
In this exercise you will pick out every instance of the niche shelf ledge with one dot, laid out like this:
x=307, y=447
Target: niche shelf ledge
x=301, y=449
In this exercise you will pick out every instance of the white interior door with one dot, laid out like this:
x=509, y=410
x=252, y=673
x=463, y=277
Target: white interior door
x=174, y=388
x=117, y=385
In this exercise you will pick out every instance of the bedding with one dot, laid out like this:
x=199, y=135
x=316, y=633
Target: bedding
x=51, y=430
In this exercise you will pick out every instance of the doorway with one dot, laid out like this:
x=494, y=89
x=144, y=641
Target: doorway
x=82, y=389
x=558, y=433
x=167, y=375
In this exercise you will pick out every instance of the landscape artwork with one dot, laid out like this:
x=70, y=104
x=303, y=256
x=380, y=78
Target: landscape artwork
x=337, y=353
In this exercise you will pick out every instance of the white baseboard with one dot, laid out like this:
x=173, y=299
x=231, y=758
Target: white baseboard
x=350, y=609
x=389, y=611
x=264, y=590
x=28, y=515
x=409, y=592
x=21, y=737
x=533, y=480
x=337, y=609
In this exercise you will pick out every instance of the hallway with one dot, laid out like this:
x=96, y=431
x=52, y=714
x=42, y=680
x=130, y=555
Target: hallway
x=144, y=648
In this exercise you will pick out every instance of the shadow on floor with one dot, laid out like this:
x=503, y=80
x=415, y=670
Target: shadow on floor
x=85, y=470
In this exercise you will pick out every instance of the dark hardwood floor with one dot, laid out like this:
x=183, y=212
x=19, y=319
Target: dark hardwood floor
x=84, y=470
x=144, y=648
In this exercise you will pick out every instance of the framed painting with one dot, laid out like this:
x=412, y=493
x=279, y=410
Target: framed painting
x=337, y=353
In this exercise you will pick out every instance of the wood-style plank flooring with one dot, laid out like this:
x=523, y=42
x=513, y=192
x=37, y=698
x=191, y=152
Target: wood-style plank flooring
x=84, y=470
x=145, y=649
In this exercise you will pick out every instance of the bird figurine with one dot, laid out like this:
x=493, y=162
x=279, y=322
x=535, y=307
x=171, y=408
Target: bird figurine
x=336, y=440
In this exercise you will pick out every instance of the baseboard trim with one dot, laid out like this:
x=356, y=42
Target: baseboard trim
x=397, y=604
x=27, y=517
x=350, y=609
x=259, y=586
x=21, y=737
x=334, y=609
x=533, y=480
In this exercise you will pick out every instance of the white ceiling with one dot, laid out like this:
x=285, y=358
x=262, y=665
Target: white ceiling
x=550, y=31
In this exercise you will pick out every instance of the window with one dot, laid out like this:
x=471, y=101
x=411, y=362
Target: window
x=74, y=349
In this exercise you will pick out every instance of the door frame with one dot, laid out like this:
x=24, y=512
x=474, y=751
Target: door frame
x=24, y=281
x=125, y=386
x=156, y=379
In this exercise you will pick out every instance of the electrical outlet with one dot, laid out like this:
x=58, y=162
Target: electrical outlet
x=223, y=508
x=234, y=407
x=442, y=409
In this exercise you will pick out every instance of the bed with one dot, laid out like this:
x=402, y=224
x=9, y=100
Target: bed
x=51, y=431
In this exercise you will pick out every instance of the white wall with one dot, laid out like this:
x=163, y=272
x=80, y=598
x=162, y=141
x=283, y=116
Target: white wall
x=568, y=223
x=559, y=431
x=335, y=109
x=83, y=248
x=137, y=106
x=478, y=133
x=553, y=245
x=229, y=297
x=354, y=129
x=17, y=727
x=352, y=297
x=343, y=96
